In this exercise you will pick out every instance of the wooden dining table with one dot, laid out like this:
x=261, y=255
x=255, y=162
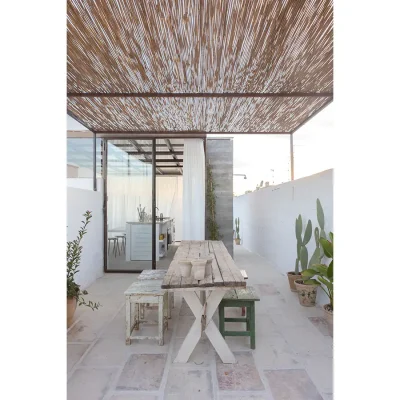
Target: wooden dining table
x=204, y=296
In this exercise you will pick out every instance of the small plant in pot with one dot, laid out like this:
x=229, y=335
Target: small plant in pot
x=74, y=292
x=324, y=276
x=237, y=225
x=301, y=248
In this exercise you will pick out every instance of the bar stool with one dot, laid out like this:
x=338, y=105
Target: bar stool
x=114, y=240
x=123, y=242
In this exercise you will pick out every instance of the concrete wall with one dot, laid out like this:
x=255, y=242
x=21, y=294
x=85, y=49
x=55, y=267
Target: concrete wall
x=219, y=152
x=92, y=260
x=267, y=218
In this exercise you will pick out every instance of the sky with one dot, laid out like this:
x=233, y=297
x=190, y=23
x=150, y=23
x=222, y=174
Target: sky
x=267, y=157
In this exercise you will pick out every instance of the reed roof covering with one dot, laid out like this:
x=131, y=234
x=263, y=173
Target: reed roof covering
x=198, y=65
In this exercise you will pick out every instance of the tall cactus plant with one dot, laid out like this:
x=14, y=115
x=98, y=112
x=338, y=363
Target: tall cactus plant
x=319, y=233
x=321, y=223
x=237, y=225
x=302, y=252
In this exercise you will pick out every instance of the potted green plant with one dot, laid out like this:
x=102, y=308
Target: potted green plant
x=237, y=225
x=74, y=292
x=302, y=253
x=324, y=276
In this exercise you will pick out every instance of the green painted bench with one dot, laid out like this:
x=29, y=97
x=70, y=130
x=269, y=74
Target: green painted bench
x=245, y=297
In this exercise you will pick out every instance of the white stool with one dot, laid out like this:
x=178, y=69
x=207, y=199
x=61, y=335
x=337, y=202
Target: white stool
x=156, y=275
x=146, y=292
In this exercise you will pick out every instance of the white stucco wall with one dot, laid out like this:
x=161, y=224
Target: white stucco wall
x=85, y=183
x=267, y=218
x=78, y=202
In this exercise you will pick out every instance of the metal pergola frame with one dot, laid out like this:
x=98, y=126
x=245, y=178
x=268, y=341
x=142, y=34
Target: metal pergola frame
x=118, y=92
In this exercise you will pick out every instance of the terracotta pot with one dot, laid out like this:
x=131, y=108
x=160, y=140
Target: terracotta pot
x=237, y=241
x=71, y=307
x=307, y=293
x=291, y=278
x=328, y=315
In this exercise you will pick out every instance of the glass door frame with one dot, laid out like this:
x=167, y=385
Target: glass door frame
x=105, y=138
x=105, y=200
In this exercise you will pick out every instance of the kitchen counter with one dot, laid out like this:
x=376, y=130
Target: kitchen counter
x=159, y=222
x=139, y=243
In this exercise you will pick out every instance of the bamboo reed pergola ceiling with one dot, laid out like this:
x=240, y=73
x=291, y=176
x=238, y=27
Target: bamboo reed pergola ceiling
x=185, y=66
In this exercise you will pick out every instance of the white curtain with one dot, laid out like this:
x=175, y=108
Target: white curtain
x=125, y=194
x=169, y=200
x=193, y=218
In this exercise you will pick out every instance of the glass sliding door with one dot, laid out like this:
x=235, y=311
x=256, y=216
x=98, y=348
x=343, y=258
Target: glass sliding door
x=169, y=190
x=129, y=205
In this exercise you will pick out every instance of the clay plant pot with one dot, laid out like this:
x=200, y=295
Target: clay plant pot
x=307, y=293
x=237, y=241
x=292, y=276
x=71, y=307
x=328, y=314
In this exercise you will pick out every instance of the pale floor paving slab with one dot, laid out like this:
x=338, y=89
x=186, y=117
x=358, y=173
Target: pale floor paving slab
x=293, y=384
x=289, y=337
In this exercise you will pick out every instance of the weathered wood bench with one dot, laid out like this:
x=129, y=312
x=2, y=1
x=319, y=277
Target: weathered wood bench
x=138, y=294
x=156, y=275
x=245, y=297
x=244, y=274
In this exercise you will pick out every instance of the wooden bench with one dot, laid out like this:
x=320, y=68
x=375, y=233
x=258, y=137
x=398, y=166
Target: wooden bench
x=244, y=274
x=240, y=298
x=138, y=294
x=156, y=275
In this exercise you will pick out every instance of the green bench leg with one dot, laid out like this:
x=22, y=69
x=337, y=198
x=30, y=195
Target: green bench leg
x=252, y=327
x=221, y=320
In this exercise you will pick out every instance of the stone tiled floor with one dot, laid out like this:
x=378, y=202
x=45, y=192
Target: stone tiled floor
x=292, y=359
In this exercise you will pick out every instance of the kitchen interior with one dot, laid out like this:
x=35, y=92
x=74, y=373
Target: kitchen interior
x=129, y=202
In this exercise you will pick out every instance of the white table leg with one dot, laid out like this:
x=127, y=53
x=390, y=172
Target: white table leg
x=211, y=330
x=127, y=321
x=161, y=313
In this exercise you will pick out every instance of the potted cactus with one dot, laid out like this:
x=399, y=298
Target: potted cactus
x=237, y=225
x=302, y=253
x=307, y=288
x=324, y=276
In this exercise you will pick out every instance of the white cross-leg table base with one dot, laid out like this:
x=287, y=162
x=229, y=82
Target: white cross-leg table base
x=212, y=332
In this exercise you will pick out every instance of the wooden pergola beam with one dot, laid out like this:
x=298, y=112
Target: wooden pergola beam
x=203, y=95
x=174, y=134
x=158, y=153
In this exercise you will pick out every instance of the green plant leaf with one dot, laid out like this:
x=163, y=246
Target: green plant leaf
x=315, y=257
x=320, y=215
x=303, y=258
x=296, y=268
x=328, y=284
x=330, y=271
x=327, y=246
x=309, y=273
x=299, y=228
x=307, y=233
x=322, y=269
x=311, y=282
